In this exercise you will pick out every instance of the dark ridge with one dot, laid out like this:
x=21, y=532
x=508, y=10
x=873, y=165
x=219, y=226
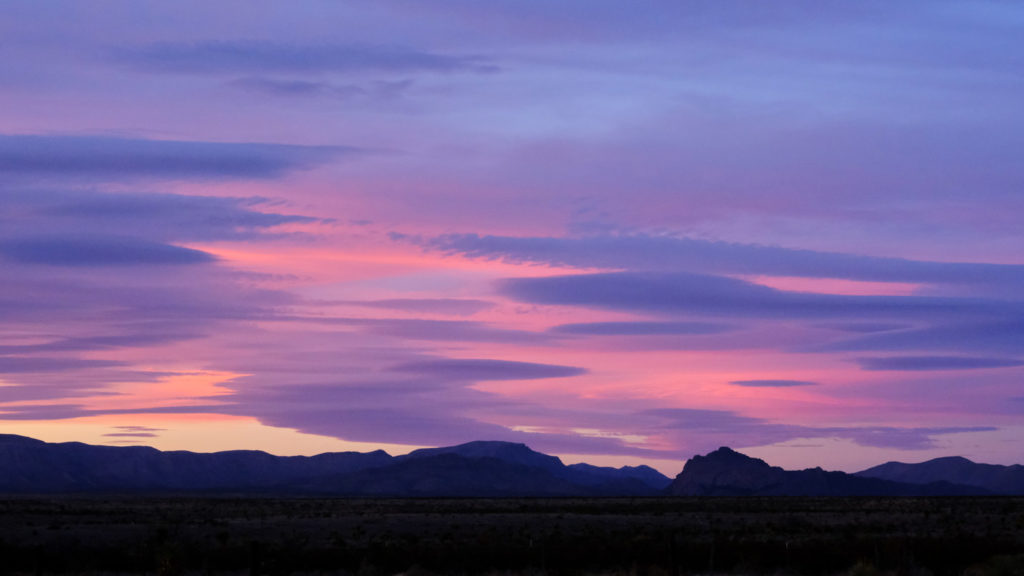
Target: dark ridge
x=726, y=472
x=490, y=469
x=956, y=469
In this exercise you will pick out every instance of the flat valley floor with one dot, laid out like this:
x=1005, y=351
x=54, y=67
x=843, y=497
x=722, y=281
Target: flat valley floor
x=657, y=536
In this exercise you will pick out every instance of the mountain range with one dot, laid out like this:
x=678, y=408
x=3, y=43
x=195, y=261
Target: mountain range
x=474, y=469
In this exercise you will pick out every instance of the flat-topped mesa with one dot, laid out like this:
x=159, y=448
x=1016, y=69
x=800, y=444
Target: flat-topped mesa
x=507, y=451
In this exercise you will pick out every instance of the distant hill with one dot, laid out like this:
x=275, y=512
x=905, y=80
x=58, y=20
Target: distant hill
x=473, y=469
x=450, y=475
x=726, y=472
x=626, y=480
x=955, y=469
x=28, y=465
x=587, y=473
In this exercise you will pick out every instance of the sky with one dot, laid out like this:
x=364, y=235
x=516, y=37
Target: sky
x=618, y=232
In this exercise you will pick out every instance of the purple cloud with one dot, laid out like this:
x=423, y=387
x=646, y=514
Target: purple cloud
x=377, y=91
x=865, y=327
x=706, y=427
x=443, y=330
x=446, y=306
x=153, y=215
x=680, y=293
x=772, y=383
x=132, y=335
x=671, y=253
x=290, y=88
x=484, y=370
x=246, y=57
x=1000, y=336
x=642, y=328
x=29, y=364
x=935, y=363
x=111, y=158
x=99, y=251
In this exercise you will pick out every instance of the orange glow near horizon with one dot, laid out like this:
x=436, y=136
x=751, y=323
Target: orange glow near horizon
x=211, y=432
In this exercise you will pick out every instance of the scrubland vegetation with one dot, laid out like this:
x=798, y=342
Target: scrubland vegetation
x=660, y=536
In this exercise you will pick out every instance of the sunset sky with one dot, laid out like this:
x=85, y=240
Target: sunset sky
x=619, y=232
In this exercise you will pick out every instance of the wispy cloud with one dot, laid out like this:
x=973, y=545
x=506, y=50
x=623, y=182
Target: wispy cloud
x=111, y=158
x=375, y=91
x=446, y=306
x=259, y=57
x=1001, y=336
x=739, y=430
x=772, y=383
x=29, y=364
x=98, y=251
x=640, y=252
x=153, y=216
x=687, y=293
x=484, y=370
x=642, y=328
x=914, y=363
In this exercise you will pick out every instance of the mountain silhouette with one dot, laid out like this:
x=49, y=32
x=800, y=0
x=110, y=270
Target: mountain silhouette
x=627, y=480
x=956, y=469
x=472, y=469
x=28, y=465
x=726, y=472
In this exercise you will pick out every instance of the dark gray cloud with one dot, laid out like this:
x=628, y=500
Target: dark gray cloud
x=99, y=251
x=109, y=158
x=256, y=57
x=484, y=370
x=643, y=328
x=682, y=293
x=671, y=253
x=772, y=383
x=914, y=363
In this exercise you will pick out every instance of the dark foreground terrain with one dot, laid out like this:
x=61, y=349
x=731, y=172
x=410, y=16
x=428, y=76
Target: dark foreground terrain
x=915, y=536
